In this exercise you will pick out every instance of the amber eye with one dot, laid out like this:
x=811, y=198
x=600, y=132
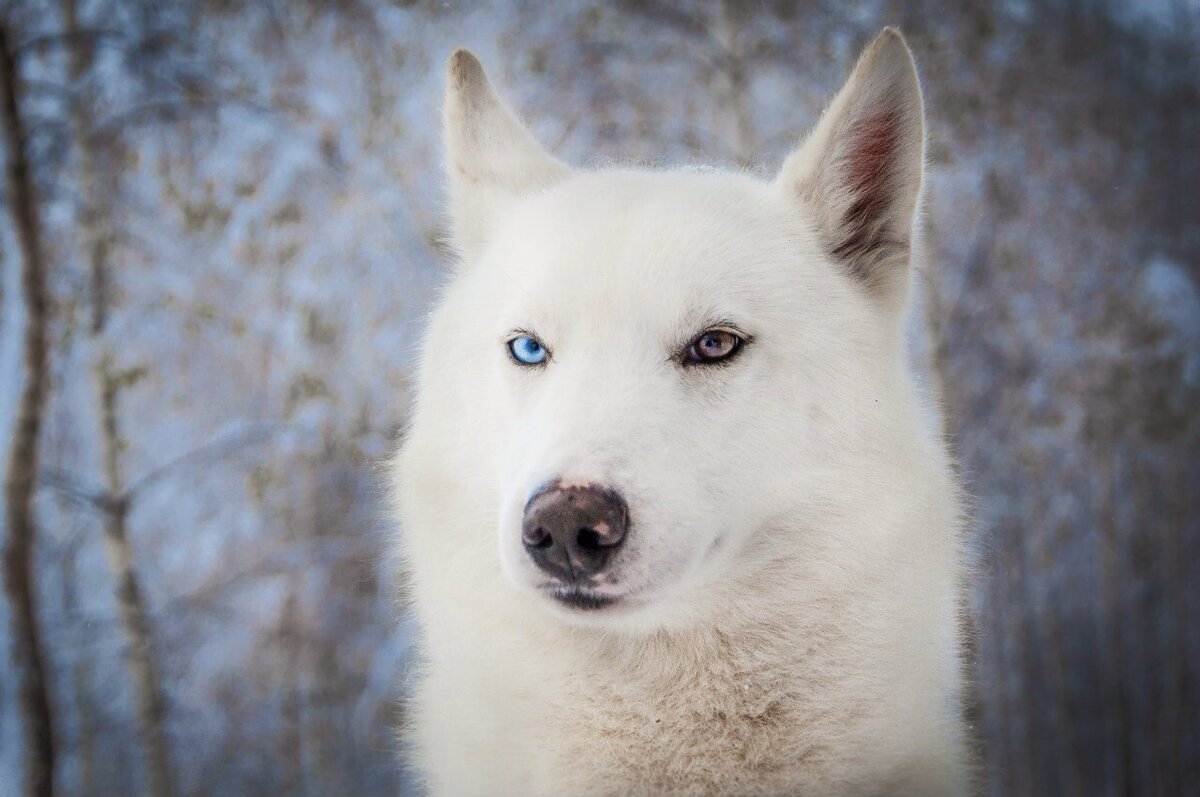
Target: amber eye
x=712, y=346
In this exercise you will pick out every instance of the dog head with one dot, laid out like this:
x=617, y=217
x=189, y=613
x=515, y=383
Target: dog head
x=654, y=370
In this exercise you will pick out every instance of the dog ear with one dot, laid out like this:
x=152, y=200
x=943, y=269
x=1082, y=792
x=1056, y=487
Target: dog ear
x=491, y=159
x=860, y=169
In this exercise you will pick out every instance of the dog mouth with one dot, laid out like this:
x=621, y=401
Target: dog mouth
x=581, y=599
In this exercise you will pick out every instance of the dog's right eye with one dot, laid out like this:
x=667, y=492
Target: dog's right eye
x=527, y=350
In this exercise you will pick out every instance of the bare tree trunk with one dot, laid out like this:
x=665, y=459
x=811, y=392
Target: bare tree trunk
x=731, y=79
x=1113, y=580
x=19, y=482
x=81, y=680
x=147, y=690
x=292, y=732
x=139, y=656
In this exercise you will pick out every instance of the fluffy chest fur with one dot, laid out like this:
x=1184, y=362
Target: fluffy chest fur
x=766, y=706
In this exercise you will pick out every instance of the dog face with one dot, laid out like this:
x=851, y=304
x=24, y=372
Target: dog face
x=649, y=363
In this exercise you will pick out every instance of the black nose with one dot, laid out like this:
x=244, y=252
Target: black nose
x=571, y=532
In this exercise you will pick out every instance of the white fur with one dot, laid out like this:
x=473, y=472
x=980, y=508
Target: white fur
x=791, y=577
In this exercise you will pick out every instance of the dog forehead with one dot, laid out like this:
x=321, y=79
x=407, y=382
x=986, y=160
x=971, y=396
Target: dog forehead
x=642, y=230
x=659, y=253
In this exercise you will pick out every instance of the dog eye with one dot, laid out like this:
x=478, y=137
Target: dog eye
x=527, y=350
x=712, y=346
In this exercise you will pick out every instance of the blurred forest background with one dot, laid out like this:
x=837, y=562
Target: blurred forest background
x=220, y=233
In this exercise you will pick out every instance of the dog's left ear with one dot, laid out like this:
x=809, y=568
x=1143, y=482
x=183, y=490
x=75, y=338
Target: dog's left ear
x=491, y=158
x=860, y=169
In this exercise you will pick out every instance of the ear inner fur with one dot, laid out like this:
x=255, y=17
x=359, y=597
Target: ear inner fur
x=870, y=173
x=861, y=168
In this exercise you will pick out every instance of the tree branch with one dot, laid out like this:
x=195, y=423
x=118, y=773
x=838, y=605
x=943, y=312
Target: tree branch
x=67, y=39
x=75, y=487
x=225, y=445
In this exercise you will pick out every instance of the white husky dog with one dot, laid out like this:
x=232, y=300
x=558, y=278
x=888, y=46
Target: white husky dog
x=674, y=521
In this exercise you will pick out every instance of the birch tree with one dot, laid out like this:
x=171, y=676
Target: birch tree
x=109, y=381
x=21, y=473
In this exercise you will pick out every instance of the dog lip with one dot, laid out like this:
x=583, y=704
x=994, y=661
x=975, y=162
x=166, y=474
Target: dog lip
x=582, y=599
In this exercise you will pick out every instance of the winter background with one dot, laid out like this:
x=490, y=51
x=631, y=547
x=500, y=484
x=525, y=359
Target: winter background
x=238, y=208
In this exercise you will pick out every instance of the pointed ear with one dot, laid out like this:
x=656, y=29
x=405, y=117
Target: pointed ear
x=860, y=169
x=491, y=158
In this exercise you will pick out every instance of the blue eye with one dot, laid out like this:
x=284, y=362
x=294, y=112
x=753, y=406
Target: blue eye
x=527, y=350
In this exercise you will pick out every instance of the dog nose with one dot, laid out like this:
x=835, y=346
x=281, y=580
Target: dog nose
x=571, y=531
